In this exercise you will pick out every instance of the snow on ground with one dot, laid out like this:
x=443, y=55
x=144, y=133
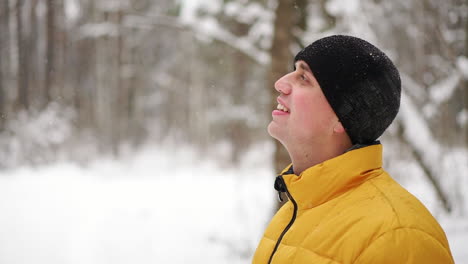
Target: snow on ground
x=158, y=206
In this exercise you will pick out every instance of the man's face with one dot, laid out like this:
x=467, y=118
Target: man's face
x=309, y=119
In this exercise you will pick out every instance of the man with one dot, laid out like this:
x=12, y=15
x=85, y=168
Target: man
x=343, y=207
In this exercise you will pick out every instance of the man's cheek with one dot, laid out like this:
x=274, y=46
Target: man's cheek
x=306, y=105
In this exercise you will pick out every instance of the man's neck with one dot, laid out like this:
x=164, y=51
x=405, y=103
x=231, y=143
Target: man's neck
x=310, y=156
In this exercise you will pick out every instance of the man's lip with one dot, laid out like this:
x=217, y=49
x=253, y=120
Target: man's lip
x=278, y=113
x=280, y=101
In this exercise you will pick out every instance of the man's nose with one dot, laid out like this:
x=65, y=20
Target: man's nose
x=283, y=85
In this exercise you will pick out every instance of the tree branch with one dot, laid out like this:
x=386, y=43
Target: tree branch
x=427, y=171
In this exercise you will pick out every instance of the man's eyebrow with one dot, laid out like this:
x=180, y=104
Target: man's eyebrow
x=303, y=66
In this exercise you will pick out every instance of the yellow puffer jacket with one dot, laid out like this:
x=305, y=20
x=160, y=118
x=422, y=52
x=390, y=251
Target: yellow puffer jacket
x=349, y=210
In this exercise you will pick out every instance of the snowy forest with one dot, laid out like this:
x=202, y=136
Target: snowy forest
x=106, y=105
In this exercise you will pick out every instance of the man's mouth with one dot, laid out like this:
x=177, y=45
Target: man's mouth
x=282, y=108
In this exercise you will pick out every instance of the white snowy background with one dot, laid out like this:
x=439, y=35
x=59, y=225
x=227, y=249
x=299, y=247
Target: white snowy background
x=157, y=206
x=160, y=205
x=172, y=203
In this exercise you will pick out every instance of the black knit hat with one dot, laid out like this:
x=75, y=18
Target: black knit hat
x=359, y=81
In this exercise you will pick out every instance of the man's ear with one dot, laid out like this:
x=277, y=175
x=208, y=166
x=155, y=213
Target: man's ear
x=338, y=128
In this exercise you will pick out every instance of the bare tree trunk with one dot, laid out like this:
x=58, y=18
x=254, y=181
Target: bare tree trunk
x=301, y=20
x=85, y=83
x=2, y=93
x=6, y=61
x=2, y=96
x=465, y=83
x=106, y=92
x=32, y=39
x=238, y=131
x=50, y=54
x=60, y=79
x=281, y=62
x=122, y=91
x=3, y=43
x=132, y=94
x=22, y=72
x=113, y=60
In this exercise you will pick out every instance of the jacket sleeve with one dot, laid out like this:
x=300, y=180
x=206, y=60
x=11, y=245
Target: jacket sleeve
x=406, y=245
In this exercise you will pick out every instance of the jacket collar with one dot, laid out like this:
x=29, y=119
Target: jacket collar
x=327, y=180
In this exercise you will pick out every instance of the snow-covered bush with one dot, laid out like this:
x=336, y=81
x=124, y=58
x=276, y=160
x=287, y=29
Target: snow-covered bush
x=35, y=137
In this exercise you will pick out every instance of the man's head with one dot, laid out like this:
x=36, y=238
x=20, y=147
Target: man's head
x=360, y=82
x=342, y=91
x=304, y=118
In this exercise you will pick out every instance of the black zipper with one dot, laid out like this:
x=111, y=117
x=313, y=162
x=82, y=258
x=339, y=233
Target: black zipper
x=280, y=186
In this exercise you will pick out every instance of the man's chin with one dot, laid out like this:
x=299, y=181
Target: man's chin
x=273, y=130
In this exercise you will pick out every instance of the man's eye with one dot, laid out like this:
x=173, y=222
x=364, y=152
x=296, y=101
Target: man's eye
x=303, y=77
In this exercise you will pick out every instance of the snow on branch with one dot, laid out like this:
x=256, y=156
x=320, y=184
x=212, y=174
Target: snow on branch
x=203, y=29
x=95, y=30
x=417, y=130
x=412, y=88
x=443, y=90
x=209, y=27
x=426, y=150
x=462, y=65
